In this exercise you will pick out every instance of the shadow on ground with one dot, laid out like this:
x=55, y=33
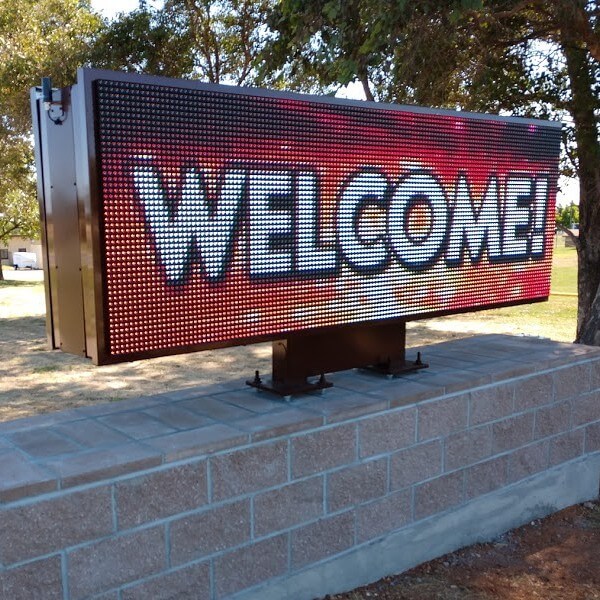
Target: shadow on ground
x=36, y=379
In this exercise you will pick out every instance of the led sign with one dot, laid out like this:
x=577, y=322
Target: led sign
x=219, y=216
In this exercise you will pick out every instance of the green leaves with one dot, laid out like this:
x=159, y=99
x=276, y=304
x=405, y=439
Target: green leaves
x=332, y=10
x=37, y=38
x=213, y=40
x=567, y=216
x=144, y=41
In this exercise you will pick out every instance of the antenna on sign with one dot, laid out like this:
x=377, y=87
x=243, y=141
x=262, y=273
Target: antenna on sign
x=54, y=108
x=47, y=92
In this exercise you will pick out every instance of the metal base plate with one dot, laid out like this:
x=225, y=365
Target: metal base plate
x=397, y=369
x=288, y=389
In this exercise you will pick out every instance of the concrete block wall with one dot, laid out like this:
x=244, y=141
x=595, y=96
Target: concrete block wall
x=224, y=492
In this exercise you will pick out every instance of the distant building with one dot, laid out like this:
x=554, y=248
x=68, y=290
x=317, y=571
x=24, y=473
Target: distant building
x=19, y=244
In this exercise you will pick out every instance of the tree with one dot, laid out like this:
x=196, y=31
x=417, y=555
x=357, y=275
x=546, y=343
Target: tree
x=37, y=38
x=144, y=41
x=212, y=40
x=226, y=36
x=567, y=216
x=19, y=212
x=527, y=57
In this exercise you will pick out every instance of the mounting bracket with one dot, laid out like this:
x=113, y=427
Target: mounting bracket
x=380, y=347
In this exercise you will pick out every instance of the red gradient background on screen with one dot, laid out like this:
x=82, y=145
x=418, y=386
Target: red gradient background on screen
x=171, y=131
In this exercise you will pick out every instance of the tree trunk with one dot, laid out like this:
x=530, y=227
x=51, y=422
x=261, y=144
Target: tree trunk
x=1, y=273
x=588, y=152
x=364, y=79
x=590, y=331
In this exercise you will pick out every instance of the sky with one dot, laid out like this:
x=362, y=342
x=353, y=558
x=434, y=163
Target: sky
x=109, y=8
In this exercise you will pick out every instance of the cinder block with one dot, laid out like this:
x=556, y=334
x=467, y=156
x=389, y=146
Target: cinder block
x=452, y=380
x=42, y=443
x=387, y=433
x=137, y=424
x=467, y=447
x=278, y=424
x=501, y=370
x=512, y=433
x=492, y=403
x=102, y=464
x=177, y=417
x=359, y=382
x=249, y=470
x=384, y=515
x=250, y=399
x=572, y=381
x=446, y=361
x=406, y=391
x=20, y=478
x=92, y=434
x=592, y=438
x=288, y=506
x=439, y=494
x=529, y=460
x=116, y=561
x=50, y=525
x=213, y=530
x=486, y=477
x=189, y=583
x=338, y=405
x=566, y=446
x=415, y=464
x=586, y=409
x=248, y=566
x=323, y=450
x=442, y=417
x=355, y=485
x=551, y=420
x=216, y=408
x=196, y=442
x=534, y=391
x=324, y=538
x=112, y=408
x=39, y=580
x=158, y=495
x=595, y=375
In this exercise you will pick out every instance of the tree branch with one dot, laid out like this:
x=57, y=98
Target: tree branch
x=247, y=26
x=582, y=25
x=571, y=156
x=6, y=232
x=507, y=14
x=570, y=235
x=364, y=79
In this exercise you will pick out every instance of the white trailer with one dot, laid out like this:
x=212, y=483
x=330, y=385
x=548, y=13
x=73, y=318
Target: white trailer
x=22, y=260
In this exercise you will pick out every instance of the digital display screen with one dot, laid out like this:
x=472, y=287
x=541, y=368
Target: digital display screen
x=231, y=217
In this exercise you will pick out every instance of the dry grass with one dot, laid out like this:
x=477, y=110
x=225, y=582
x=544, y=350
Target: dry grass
x=36, y=380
